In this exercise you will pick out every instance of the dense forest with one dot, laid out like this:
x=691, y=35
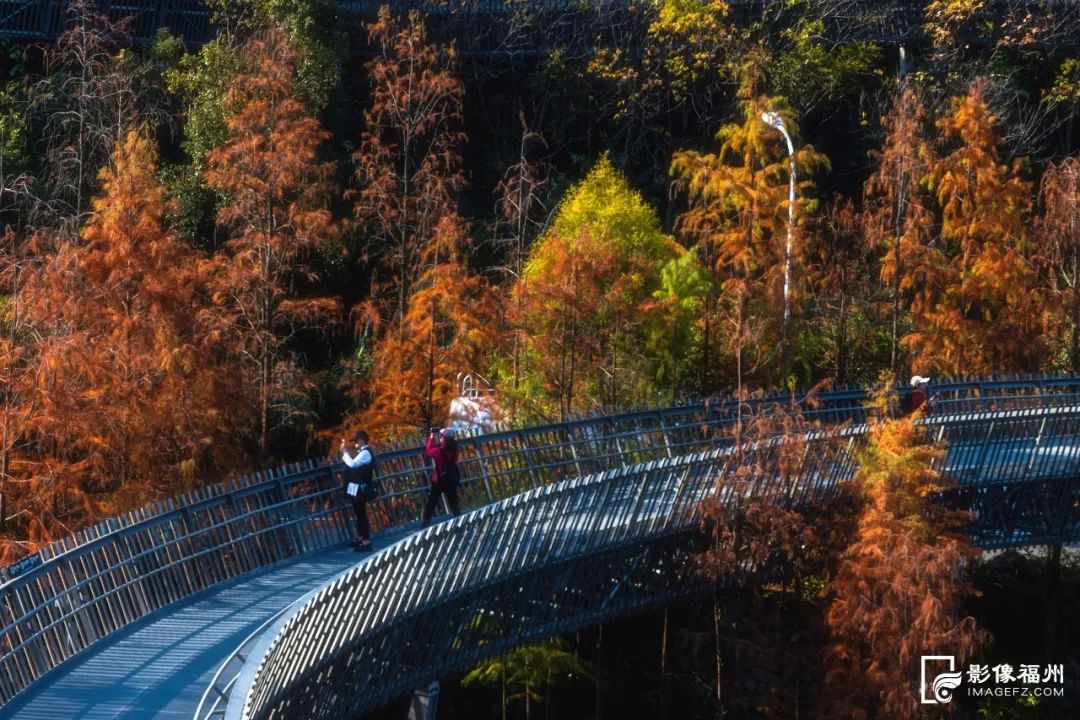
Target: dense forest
x=217, y=257
x=221, y=257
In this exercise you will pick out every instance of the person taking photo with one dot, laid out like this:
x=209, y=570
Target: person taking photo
x=359, y=482
x=443, y=450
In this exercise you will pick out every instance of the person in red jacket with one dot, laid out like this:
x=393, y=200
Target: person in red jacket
x=444, y=479
x=918, y=395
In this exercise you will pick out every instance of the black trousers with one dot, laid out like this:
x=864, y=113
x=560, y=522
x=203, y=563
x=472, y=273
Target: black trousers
x=359, y=506
x=434, y=493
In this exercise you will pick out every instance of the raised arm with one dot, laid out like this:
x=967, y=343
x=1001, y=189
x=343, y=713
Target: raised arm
x=362, y=458
x=433, y=449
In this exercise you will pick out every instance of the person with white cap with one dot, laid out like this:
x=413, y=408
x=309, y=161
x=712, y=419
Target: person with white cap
x=445, y=478
x=918, y=392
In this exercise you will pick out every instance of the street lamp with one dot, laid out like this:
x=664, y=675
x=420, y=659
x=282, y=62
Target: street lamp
x=773, y=120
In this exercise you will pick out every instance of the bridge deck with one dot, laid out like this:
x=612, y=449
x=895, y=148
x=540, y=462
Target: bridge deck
x=160, y=666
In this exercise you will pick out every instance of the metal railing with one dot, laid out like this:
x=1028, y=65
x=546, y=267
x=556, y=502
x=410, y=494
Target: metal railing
x=566, y=556
x=121, y=570
x=838, y=405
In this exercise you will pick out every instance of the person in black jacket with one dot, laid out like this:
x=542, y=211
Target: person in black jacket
x=359, y=478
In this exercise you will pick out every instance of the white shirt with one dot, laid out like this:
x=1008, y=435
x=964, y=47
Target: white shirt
x=362, y=458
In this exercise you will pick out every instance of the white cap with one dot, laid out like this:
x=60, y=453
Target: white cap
x=919, y=380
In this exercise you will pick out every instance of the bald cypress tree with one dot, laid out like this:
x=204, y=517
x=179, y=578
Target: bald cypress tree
x=276, y=212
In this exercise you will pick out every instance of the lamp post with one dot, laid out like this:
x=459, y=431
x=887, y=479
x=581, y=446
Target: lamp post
x=773, y=120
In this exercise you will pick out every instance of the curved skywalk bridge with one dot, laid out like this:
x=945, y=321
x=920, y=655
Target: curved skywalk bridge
x=585, y=551
x=116, y=577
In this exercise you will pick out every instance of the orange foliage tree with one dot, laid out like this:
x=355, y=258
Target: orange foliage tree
x=276, y=212
x=738, y=216
x=1059, y=229
x=838, y=263
x=899, y=215
x=449, y=327
x=521, y=220
x=558, y=305
x=977, y=308
x=18, y=397
x=897, y=594
x=408, y=170
x=772, y=553
x=128, y=399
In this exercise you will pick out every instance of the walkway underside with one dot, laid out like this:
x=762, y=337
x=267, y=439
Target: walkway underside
x=451, y=636
x=593, y=549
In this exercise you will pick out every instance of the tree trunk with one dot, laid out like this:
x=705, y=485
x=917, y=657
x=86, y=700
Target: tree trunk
x=599, y=670
x=1074, y=354
x=1053, y=587
x=841, y=341
x=528, y=690
x=547, y=694
x=663, y=667
x=898, y=229
x=719, y=659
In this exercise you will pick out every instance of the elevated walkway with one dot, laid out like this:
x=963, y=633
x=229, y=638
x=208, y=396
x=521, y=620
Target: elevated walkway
x=1018, y=467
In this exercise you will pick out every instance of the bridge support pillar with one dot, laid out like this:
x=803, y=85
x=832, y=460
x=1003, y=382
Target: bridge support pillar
x=425, y=703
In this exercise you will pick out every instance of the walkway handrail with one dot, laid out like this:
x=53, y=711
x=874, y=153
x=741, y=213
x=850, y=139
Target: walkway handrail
x=547, y=525
x=409, y=614
x=55, y=610
x=841, y=403
x=226, y=667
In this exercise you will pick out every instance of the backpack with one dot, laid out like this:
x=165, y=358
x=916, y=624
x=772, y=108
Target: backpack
x=370, y=490
x=364, y=477
x=449, y=476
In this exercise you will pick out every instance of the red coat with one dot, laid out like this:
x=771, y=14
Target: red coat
x=442, y=458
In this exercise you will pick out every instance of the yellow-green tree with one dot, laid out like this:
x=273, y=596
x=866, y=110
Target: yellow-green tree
x=677, y=304
x=977, y=308
x=584, y=295
x=676, y=67
x=527, y=673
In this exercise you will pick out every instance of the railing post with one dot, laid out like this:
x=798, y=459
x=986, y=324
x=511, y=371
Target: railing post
x=573, y=448
x=528, y=461
x=1035, y=449
x=482, y=462
x=50, y=16
x=982, y=452
x=425, y=703
x=286, y=514
x=663, y=432
x=614, y=434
